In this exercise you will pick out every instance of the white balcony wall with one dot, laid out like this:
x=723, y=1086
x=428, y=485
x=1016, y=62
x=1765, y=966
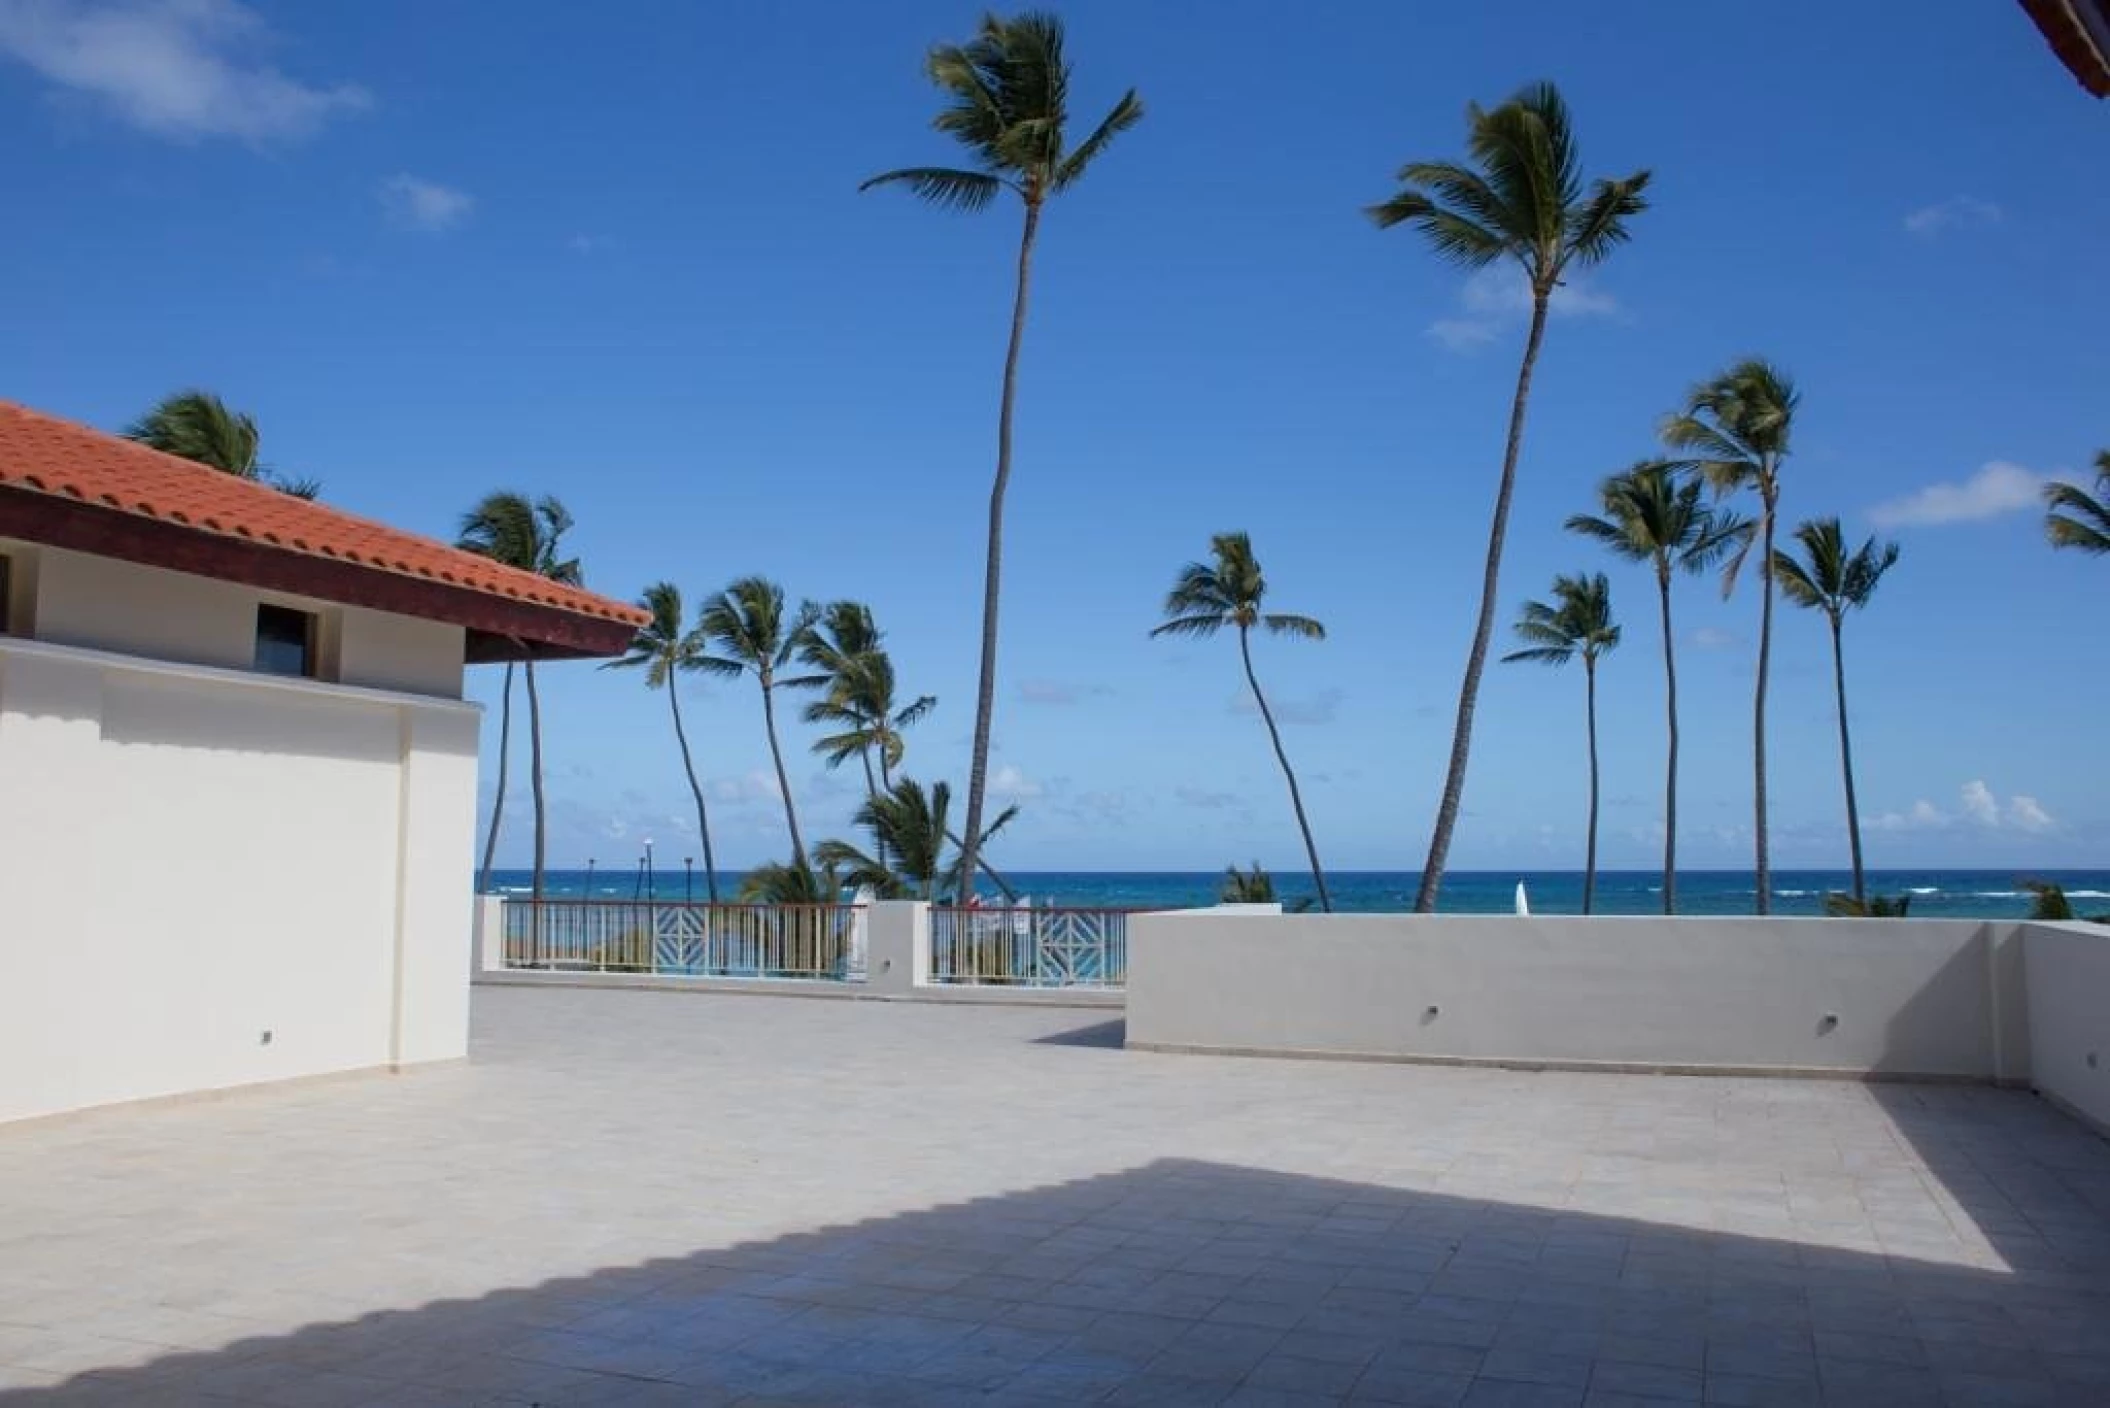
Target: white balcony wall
x=1878, y=996
x=209, y=877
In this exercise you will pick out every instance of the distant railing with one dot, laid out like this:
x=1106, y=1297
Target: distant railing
x=1024, y=947
x=810, y=941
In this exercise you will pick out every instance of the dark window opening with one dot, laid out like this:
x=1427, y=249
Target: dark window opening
x=285, y=642
x=7, y=597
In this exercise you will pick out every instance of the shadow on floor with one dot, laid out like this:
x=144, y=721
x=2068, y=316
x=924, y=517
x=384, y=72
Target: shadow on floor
x=1184, y=1281
x=1106, y=1035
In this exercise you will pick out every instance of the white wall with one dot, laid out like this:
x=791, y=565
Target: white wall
x=2069, y=1016
x=190, y=858
x=1920, y=997
x=100, y=603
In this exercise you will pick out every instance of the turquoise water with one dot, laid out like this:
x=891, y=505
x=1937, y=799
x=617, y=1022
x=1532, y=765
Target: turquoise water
x=1936, y=894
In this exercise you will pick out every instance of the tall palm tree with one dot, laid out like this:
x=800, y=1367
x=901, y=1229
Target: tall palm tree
x=1734, y=431
x=528, y=534
x=909, y=834
x=1006, y=97
x=1521, y=199
x=199, y=426
x=664, y=650
x=748, y=625
x=1578, y=623
x=1208, y=596
x=1651, y=515
x=1834, y=581
x=2074, y=518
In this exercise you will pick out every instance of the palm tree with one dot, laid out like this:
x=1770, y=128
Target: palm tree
x=1521, y=199
x=1253, y=886
x=1208, y=596
x=199, y=426
x=1835, y=581
x=857, y=677
x=525, y=533
x=909, y=834
x=2077, y=519
x=1734, y=432
x=1650, y=515
x=746, y=622
x=1580, y=623
x=1007, y=102
x=665, y=650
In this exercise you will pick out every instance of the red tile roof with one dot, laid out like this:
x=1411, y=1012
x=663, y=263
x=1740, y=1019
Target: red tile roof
x=74, y=464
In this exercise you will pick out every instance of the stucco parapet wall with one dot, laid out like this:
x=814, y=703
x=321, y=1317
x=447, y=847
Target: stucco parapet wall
x=1942, y=999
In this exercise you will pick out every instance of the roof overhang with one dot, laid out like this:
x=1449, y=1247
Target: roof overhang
x=498, y=628
x=2079, y=33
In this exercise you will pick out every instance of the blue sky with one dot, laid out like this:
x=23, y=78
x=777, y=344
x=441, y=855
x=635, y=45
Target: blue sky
x=622, y=258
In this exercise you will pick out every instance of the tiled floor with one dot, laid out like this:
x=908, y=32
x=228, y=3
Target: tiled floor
x=652, y=1199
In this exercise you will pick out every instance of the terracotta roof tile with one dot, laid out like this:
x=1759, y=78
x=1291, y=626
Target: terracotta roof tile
x=47, y=455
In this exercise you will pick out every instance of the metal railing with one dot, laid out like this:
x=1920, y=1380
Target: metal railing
x=814, y=941
x=1027, y=947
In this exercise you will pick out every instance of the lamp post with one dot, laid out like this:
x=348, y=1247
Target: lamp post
x=688, y=879
x=650, y=889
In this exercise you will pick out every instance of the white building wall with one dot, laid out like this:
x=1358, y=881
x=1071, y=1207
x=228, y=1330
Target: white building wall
x=193, y=858
x=104, y=604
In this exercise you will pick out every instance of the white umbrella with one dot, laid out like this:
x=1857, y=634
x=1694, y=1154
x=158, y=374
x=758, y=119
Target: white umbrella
x=1523, y=900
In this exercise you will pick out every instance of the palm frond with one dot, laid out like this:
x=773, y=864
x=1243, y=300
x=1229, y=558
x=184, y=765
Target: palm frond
x=1302, y=627
x=943, y=186
x=1126, y=114
x=2075, y=518
x=1599, y=226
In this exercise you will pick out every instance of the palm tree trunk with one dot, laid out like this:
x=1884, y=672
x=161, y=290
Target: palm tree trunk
x=1476, y=662
x=791, y=816
x=1670, y=770
x=1758, y=714
x=985, y=695
x=703, y=821
x=1846, y=763
x=498, y=797
x=1590, y=851
x=1296, y=800
x=541, y=813
x=864, y=755
x=996, y=877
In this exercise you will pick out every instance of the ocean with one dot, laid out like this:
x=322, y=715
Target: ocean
x=1936, y=894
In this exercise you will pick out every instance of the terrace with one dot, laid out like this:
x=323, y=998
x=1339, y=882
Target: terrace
x=644, y=1197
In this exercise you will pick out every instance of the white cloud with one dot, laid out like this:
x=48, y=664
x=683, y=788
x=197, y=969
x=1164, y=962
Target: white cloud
x=184, y=69
x=1955, y=213
x=1008, y=781
x=1320, y=708
x=1712, y=638
x=1924, y=816
x=417, y=204
x=1980, y=805
x=2024, y=813
x=1058, y=692
x=1500, y=295
x=754, y=786
x=1998, y=488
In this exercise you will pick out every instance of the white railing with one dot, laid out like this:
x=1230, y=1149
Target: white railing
x=824, y=942
x=1026, y=947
